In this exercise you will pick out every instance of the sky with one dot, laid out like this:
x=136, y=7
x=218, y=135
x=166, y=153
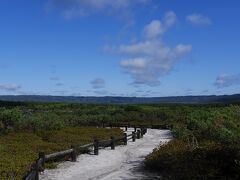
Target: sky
x=143, y=48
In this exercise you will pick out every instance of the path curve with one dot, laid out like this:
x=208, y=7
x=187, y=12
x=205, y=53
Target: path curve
x=124, y=162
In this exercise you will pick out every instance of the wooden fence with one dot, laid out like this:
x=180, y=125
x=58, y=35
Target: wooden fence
x=128, y=125
x=39, y=165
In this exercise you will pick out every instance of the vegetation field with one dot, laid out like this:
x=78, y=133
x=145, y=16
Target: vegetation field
x=206, y=146
x=24, y=134
x=206, y=143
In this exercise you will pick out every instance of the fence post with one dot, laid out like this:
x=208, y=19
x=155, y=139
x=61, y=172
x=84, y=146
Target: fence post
x=142, y=132
x=112, y=142
x=133, y=136
x=135, y=129
x=96, y=146
x=41, y=155
x=138, y=134
x=73, y=153
x=125, y=138
x=126, y=128
x=35, y=168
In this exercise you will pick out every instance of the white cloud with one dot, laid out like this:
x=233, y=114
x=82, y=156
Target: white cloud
x=157, y=27
x=9, y=87
x=98, y=83
x=198, y=19
x=59, y=84
x=152, y=61
x=154, y=29
x=76, y=8
x=54, y=78
x=149, y=59
x=134, y=63
x=169, y=19
x=226, y=80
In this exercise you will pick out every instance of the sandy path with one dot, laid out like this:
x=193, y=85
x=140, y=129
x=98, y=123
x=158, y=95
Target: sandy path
x=122, y=163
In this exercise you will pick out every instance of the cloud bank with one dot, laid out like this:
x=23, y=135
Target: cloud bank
x=199, y=20
x=54, y=78
x=226, y=80
x=81, y=8
x=149, y=59
x=98, y=83
x=157, y=27
x=10, y=87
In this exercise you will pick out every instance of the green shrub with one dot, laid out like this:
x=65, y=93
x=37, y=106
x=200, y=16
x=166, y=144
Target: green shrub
x=19, y=150
x=177, y=161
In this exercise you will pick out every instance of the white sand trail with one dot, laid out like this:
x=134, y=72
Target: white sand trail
x=124, y=162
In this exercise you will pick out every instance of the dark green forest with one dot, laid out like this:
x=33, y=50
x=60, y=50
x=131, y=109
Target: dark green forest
x=124, y=100
x=206, y=136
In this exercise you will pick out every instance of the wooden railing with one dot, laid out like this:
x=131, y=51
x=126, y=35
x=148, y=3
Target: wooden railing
x=39, y=165
x=128, y=125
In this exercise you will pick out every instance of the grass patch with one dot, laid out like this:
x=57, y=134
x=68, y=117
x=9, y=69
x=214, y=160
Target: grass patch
x=18, y=150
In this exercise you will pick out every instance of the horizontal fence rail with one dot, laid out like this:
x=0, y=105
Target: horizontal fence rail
x=128, y=125
x=39, y=165
x=58, y=154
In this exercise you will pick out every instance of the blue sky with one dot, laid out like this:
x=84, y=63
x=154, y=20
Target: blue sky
x=119, y=48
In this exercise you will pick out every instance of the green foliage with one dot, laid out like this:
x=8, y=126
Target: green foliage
x=50, y=116
x=8, y=119
x=220, y=124
x=19, y=150
x=30, y=127
x=217, y=130
x=212, y=161
x=40, y=121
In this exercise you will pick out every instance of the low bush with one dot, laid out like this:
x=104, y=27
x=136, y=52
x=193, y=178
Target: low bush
x=177, y=160
x=215, y=155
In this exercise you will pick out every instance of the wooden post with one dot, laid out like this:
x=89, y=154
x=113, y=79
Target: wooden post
x=141, y=132
x=96, y=147
x=135, y=129
x=73, y=153
x=138, y=134
x=133, y=136
x=125, y=138
x=35, y=168
x=112, y=142
x=126, y=128
x=41, y=155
